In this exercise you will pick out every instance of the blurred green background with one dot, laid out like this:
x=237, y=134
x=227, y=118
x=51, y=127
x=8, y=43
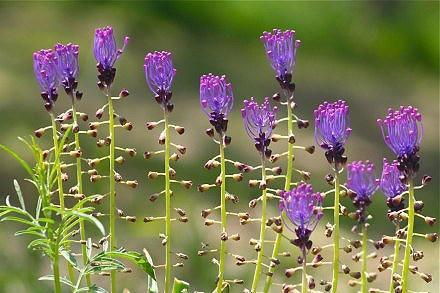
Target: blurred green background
x=373, y=54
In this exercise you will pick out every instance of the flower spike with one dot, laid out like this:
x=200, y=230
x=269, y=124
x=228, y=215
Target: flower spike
x=46, y=73
x=302, y=205
x=332, y=129
x=259, y=122
x=281, y=49
x=106, y=54
x=403, y=131
x=159, y=73
x=216, y=100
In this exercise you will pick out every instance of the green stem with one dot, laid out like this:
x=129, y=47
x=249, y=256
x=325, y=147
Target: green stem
x=304, y=271
x=409, y=232
x=56, y=272
x=395, y=262
x=167, y=207
x=223, y=217
x=258, y=266
x=364, y=260
x=112, y=193
x=336, y=234
x=57, y=165
x=79, y=184
x=287, y=182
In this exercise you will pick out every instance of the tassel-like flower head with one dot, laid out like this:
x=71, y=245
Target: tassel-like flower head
x=259, y=122
x=106, y=53
x=216, y=100
x=361, y=179
x=281, y=49
x=302, y=207
x=332, y=129
x=403, y=131
x=46, y=73
x=68, y=66
x=159, y=73
x=391, y=184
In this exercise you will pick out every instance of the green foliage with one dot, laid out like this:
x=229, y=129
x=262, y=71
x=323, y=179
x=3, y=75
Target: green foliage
x=180, y=286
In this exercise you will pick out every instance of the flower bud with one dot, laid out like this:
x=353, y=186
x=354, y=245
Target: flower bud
x=39, y=132
x=120, y=160
x=180, y=130
x=356, y=275
x=174, y=157
x=148, y=219
x=209, y=132
x=431, y=237
x=345, y=269
x=132, y=183
x=310, y=149
x=237, y=177
x=152, y=175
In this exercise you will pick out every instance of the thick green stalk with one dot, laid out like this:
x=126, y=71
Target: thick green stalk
x=304, y=271
x=364, y=288
x=57, y=165
x=395, y=262
x=336, y=234
x=112, y=193
x=287, y=182
x=223, y=217
x=56, y=272
x=167, y=206
x=409, y=232
x=79, y=184
x=258, y=266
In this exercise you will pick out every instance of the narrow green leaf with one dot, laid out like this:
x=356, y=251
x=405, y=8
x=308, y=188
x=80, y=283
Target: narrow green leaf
x=62, y=279
x=19, y=194
x=18, y=159
x=92, y=289
x=90, y=219
x=137, y=258
x=180, y=286
x=152, y=286
x=69, y=257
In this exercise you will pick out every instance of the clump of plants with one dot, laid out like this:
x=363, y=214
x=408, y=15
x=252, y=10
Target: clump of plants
x=65, y=223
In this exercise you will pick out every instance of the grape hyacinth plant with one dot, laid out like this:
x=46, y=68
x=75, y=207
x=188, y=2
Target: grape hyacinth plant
x=61, y=217
x=259, y=123
x=106, y=54
x=159, y=74
x=303, y=209
x=216, y=101
x=280, y=48
x=402, y=131
x=332, y=129
x=362, y=183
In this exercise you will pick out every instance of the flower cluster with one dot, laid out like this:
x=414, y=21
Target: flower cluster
x=68, y=67
x=281, y=49
x=46, y=73
x=302, y=207
x=259, y=122
x=106, y=54
x=216, y=100
x=159, y=73
x=403, y=131
x=362, y=181
x=391, y=183
x=332, y=129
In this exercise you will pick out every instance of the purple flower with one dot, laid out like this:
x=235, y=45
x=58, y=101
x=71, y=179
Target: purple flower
x=68, y=66
x=281, y=50
x=106, y=54
x=302, y=207
x=362, y=181
x=45, y=69
x=259, y=122
x=390, y=181
x=402, y=130
x=332, y=129
x=105, y=49
x=216, y=100
x=159, y=73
